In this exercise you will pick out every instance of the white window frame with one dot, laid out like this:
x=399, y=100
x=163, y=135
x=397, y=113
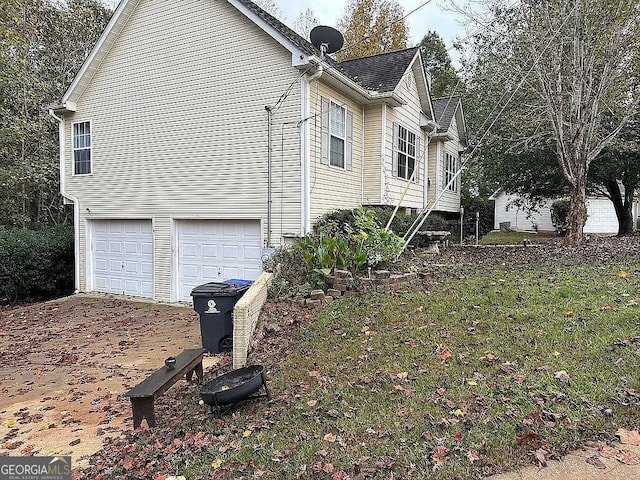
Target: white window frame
x=334, y=105
x=450, y=169
x=75, y=149
x=414, y=157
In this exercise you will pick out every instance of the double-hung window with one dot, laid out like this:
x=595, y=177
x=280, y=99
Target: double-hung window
x=406, y=152
x=450, y=169
x=81, y=136
x=337, y=134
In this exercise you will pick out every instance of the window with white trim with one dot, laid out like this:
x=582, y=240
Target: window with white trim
x=450, y=169
x=337, y=134
x=406, y=152
x=81, y=143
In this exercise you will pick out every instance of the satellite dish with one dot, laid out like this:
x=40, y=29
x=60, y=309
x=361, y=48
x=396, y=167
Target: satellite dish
x=326, y=39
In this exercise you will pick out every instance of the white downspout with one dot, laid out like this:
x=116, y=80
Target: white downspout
x=305, y=149
x=383, y=152
x=76, y=203
x=362, y=162
x=268, y=242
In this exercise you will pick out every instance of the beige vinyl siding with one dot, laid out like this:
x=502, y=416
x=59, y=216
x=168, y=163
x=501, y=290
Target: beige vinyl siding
x=409, y=117
x=331, y=187
x=433, y=165
x=450, y=200
x=372, y=155
x=179, y=128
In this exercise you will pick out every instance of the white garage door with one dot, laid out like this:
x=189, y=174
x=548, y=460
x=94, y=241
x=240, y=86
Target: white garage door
x=217, y=250
x=601, y=216
x=122, y=257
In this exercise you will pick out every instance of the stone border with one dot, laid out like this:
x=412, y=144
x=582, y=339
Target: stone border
x=381, y=281
x=245, y=317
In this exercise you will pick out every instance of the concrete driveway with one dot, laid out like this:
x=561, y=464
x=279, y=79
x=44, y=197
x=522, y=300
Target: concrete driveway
x=64, y=365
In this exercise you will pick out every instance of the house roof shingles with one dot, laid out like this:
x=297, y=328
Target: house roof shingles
x=296, y=39
x=382, y=72
x=444, y=109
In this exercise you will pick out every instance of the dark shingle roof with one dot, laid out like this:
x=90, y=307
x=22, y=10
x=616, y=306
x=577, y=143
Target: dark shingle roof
x=444, y=109
x=297, y=40
x=379, y=72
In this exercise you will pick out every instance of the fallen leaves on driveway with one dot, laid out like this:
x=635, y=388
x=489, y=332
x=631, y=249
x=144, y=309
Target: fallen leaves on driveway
x=628, y=437
x=624, y=456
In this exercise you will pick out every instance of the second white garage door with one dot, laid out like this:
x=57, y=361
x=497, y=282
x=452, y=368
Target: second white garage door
x=217, y=250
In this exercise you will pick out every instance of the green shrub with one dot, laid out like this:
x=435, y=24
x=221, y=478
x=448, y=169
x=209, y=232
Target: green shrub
x=290, y=273
x=487, y=213
x=559, y=215
x=341, y=222
x=36, y=264
x=375, y=245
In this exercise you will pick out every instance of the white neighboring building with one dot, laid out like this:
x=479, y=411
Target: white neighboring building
x=601, y=214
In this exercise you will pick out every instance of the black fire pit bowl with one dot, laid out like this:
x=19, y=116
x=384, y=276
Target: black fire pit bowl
x=235, y=386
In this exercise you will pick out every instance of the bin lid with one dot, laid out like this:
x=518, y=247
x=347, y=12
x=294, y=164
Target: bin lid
x=217, y=289
x=238, y=281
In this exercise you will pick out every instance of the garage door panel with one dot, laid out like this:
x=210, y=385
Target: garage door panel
x=132, y=267
x=252, y=253
x=251, y=273
x=230, y=252
x=100, y=265
x=189, y=250
x=230, y=229
x=252, y=230
x=189, y=271
x=216, y=250
x=230, y=272
x=207, y=228
x=210, y=251
x=209, y=271
x=115, y=227
x=122, y=257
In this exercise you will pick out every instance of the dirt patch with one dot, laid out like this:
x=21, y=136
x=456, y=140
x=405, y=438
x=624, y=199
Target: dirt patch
x=64, y=365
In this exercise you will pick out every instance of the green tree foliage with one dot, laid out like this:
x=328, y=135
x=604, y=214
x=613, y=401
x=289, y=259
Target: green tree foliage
x=616, y=173
x=543, y=76
x=42, y=45
x=372, y=27
x=437, y=62
x=36, y=265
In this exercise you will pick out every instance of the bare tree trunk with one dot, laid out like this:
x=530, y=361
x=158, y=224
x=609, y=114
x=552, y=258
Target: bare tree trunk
x=577, y=204
x=622, y=206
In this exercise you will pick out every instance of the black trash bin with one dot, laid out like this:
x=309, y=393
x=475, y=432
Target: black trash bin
x=214, y=303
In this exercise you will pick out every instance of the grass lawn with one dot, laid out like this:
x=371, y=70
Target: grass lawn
x=473, y=377
x=514, y=238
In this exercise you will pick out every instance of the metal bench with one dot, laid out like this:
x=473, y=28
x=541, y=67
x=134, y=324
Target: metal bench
x=143, y=395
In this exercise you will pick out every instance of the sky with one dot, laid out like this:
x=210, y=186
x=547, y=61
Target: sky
x=436, y=15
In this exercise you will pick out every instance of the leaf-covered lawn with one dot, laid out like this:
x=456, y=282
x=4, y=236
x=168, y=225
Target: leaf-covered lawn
x=515, y=238
x=492, y=368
